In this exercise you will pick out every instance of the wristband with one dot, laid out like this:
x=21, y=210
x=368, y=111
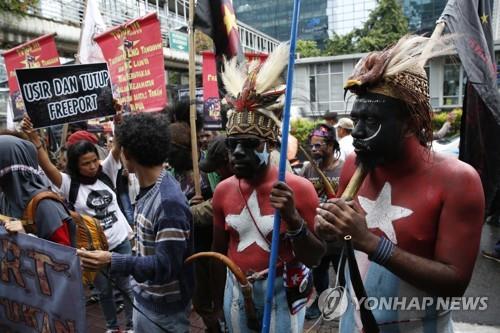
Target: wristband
x=298, y=233
x=384, y=251
x=39, y=146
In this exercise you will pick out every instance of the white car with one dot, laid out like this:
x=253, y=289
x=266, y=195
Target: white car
x=447, y=146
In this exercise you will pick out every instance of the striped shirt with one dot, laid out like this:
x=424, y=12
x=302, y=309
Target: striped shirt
x=163, y=283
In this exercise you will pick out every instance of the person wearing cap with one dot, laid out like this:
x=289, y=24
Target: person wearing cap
x=244, y=204
x=216, y=161
x=344, y=128
x=89, y=187
x=331, y=118
x=415, y=237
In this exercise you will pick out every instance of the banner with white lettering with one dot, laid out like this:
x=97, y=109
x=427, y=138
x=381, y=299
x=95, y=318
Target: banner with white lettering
x=134, y=53
x=39, y=52
x=66, y=94
x=211, y=101
x=41, y=286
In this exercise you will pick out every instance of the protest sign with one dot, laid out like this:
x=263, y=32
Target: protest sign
x=66, y=94
x=134, y=53
x=183, y=95
x=211, y=101
x=41, y=286
x=39, y=52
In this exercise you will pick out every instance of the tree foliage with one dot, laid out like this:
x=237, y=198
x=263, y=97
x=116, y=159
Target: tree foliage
x=438, y=120
x=307, y=48
x=301, y=128
x=18, y=7
x=202, y=42
x=385, y=25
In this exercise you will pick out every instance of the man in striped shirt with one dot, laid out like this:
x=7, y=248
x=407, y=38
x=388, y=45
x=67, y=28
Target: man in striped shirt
x=163, y=284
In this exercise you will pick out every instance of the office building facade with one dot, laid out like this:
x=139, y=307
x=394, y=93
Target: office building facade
x=273, y=17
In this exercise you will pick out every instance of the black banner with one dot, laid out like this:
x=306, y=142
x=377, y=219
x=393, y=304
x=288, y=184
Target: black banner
x=66, y=94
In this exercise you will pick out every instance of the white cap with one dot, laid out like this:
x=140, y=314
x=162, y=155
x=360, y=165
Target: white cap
x=345, y=123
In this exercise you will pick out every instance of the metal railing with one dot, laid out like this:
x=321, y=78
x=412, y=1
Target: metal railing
x=173, y=15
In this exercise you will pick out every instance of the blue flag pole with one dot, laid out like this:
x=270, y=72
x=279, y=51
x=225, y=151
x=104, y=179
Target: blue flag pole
x=284, y=147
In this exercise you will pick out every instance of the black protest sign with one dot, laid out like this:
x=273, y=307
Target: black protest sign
x=66, y=94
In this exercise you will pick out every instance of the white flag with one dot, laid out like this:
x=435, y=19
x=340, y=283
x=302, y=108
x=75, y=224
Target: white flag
x=93, y=25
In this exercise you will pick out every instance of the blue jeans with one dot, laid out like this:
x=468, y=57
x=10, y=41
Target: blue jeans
x=174, y=322
x=105, y=288
x=281, y=318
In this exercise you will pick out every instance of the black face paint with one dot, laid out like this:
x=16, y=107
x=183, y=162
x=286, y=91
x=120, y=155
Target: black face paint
x=379, y=129
x=246, y=164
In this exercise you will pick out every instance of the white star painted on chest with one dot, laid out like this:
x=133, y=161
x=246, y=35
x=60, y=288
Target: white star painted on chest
x=380, y=213
x=246, y=228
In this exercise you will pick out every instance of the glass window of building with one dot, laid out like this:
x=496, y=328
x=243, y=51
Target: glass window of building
x=326, y=87
x=452, y=82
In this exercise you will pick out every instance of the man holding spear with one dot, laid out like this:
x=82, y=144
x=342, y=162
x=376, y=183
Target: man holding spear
x=244, y=204
x=416, y=220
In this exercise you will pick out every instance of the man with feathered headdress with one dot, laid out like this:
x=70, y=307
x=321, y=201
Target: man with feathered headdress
x=244, y=205
x=416, y=220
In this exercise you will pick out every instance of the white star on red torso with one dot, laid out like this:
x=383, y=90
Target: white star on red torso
x=380, y=213
x=246, y=228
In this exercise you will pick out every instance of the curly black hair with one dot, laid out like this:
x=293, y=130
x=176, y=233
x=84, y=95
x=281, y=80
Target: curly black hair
x=146, y=137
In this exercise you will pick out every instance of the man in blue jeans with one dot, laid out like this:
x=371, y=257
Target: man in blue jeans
x=163, y=284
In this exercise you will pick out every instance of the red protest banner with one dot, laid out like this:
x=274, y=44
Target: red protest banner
x=39, y=52
x=211, y=100
x=134, y=53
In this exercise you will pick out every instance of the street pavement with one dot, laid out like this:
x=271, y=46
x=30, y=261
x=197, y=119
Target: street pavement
x=485, y=282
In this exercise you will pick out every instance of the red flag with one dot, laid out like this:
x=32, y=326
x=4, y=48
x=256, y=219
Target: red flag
x=134, y=53
x=217, y=19
x=39, y=52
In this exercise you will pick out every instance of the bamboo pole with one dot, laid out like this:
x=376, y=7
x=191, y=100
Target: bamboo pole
x=192, y=101
x=330, y=192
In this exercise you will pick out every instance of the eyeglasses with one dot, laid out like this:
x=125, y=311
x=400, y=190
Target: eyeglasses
x=317, y=145
x=247, y=143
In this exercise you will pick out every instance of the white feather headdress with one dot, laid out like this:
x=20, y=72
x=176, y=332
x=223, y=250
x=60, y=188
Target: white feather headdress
x=255, y=94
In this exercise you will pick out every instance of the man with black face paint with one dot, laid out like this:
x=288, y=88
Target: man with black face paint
x=244, y=204
x=416, y=220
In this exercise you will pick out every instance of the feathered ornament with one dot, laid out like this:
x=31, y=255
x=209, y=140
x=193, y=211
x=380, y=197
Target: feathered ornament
x=398, y=72
x=255, y=94
x=398, y=68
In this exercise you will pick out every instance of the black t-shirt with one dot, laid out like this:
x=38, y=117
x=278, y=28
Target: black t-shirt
x=143, y=191
x=333, y=176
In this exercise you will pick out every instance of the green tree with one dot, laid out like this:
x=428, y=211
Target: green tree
x=307, y=48
x=301, y=128
x=385, y=25
x=18, y=7
x=202, y=42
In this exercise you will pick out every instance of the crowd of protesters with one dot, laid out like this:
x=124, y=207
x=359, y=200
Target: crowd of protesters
x=139, y=183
